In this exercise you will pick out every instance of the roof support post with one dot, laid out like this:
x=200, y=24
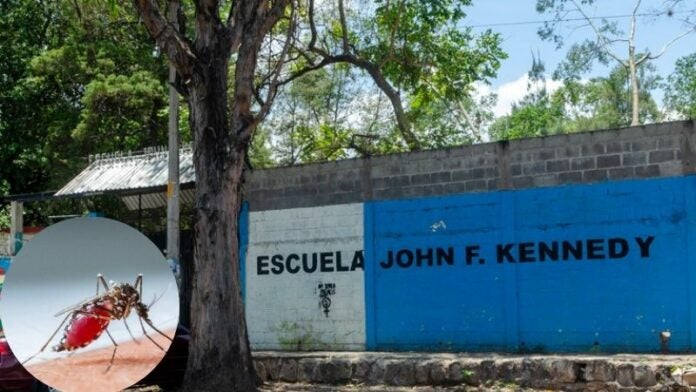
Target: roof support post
x=16, y=227
x=173, y=237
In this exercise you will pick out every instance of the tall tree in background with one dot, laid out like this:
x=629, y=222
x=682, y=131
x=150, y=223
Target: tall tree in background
x=262, y=45
x=680, y=89
x=537, y=114
x=600, y=103
x=608, y=40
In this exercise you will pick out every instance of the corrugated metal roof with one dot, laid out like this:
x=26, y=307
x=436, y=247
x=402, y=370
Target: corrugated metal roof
x=156, y=200
x=129, y=173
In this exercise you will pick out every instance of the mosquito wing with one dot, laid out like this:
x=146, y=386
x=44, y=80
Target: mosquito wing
x=76, y=306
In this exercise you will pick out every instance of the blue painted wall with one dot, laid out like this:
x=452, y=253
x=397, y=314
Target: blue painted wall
x=607, y=304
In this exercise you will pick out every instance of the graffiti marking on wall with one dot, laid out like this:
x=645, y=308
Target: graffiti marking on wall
x=326, y=290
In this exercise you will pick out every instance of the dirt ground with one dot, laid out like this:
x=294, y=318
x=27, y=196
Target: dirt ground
x=86, y=371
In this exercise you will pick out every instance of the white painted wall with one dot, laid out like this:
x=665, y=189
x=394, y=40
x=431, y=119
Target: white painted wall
x=283, y=310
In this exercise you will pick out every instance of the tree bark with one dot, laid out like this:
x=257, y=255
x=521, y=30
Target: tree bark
x=635, y=88
x=219, y=356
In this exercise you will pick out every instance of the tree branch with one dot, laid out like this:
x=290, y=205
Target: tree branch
x=600, y=35
x=174, y=44
x=344, y=28
x=670, y=43
x=273, y=86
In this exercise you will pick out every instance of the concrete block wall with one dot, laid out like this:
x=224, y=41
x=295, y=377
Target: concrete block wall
x=581, y=242
x=291, y=256
x=658, y=150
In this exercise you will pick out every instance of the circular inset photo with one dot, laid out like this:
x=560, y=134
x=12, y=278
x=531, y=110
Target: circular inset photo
x=89, y=304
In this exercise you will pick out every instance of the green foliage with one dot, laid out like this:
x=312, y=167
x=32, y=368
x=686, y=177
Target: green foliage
x=122, y=112
x=680, y=89
x=600, y=103
x=80, y=77
x=425, y=51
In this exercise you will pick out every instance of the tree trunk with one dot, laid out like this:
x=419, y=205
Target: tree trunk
x=635, y=89
x=219, y=357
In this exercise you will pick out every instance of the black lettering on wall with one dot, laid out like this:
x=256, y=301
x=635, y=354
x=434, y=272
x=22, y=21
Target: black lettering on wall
x=503, y=253
x=339, y=266
x=644, y=244
x=358, y=261
x=618, y=248
x=422, y=256
x=288, y=263
x=471, y=252
x=262, y=265
x=326, y=261
x=277, y=261
x=547, y=252
x=569, y=248
x=404, y=258
x=305, y=263
x=526, y=252
x=595, y=249
x=390, y=260
x=446, y=255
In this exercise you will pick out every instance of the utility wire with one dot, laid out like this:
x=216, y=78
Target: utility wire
x=534, y=22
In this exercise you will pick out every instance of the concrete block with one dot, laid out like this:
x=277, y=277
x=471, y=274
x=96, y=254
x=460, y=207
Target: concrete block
x=522, y=182
x=585, y=163
x=461, y=175
x=534, y=168
x=646, y=144
x=493, y=184
x=669, y=142
x=595, y=175
x=441, y=177
x=621, y=173
x=617, y=147
x=545, y=155
x=661, y=156
x=648, y=171
x=604, y=161
x=671, y=168
x=515, y=170
x=557, y=165
x=634, y=158
x=476, y=185
x=592, y=149
x=478, y=173
x=545, y=180
x=568, y=152
x=454, y=187
x=420, y=179
x=570, y=177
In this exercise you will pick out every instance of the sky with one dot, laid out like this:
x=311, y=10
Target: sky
x=520, y=41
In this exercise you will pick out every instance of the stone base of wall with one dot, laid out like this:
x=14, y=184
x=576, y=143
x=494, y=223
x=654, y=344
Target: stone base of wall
x=549, y=372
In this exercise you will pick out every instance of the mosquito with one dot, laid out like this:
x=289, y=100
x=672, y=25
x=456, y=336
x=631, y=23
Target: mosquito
x=89, y=318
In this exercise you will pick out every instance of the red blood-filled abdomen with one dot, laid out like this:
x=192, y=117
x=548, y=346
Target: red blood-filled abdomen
x=86, y=328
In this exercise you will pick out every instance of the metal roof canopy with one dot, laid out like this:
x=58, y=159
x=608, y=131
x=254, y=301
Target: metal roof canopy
x=139, y=180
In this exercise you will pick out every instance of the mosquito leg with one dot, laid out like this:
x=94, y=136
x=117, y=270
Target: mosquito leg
x=112, y=354
x=138, y=285
x=129, y=332
x=49, y=339
x=100, y=279
x=148, y=336
x=147, y=320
